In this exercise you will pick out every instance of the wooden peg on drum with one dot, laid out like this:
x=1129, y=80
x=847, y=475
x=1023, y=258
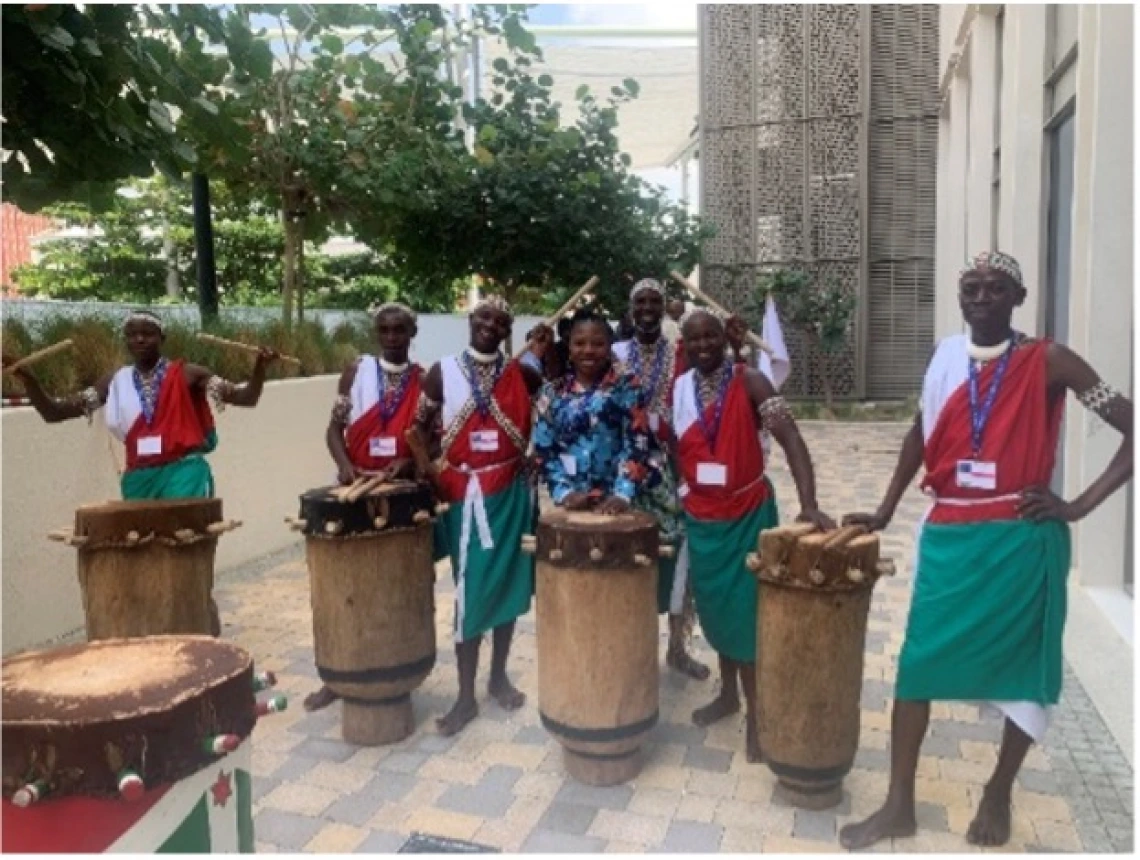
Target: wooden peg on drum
x=814, y=596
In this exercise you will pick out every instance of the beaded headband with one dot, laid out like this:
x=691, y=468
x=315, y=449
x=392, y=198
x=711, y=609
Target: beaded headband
x=497, y=303
x=995, y=260
x=142, y=316
x=693, y=312
x=646, y=284
x=386, y=307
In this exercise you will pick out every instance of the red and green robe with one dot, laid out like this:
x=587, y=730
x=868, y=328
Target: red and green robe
x=661, y=500
x=491, y=504
x=723, y=520
x=165, y=456
x=989, y=604
x=368, y=438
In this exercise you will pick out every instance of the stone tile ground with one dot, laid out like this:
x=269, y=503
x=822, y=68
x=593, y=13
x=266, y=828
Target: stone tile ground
x=501, y=784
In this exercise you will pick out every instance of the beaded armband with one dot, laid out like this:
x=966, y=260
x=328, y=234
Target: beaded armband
x=773, y=412
x=342, y=408
x=217, y=390
x=1097, y=398
x=88, y=401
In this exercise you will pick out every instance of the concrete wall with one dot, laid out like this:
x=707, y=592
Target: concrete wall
x=265, y=458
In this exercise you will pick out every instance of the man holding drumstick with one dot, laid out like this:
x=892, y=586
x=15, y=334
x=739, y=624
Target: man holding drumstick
x=158, y=409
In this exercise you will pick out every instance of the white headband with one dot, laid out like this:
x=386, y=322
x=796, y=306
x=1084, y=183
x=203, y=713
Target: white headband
x=392, y=306
x=646, y=284
x=143, y=316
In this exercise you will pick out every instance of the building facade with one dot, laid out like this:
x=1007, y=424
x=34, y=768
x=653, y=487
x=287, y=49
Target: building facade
x=17, y=230
x=1035, y=158
x=818, y=151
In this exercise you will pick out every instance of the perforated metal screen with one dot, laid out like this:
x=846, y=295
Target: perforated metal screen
x=818, y=149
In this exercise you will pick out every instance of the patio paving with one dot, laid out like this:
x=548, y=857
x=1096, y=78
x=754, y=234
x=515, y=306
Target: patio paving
x=500, y=783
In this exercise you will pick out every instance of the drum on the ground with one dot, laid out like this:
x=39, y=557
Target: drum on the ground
x=146, y=568
x=138, y=745
x=596, y=617
x=813, y=598
x=373, y=595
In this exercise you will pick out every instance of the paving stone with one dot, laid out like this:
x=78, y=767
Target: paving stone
x=359, y=807
x=1040, y=781
x=818, y=826
x=704, y=758
x=531, y=735
x=287, y=830
x=677, y=733
x=967, y=731
x=324, y=749
x=433, y=743
x=294, y=768
x=692, y=837
x=404, y=762
x=548, y=842
x=940, y=746
x=871, y=759
x=561, y=817
x=932, y=817
x=477, y=800
x=500, y=777
x=317, y=723
x=611, y=797
x=381, y=842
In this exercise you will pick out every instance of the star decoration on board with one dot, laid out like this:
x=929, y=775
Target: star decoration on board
x=221, y=789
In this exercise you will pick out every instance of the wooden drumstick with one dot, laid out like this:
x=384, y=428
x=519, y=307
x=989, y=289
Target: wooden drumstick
x=695, y=292
x=842, y=537
x=244, y=347
x=39, y=355
x=418, y=445
x=552, y=321
x=371, y=484
x=341, y=493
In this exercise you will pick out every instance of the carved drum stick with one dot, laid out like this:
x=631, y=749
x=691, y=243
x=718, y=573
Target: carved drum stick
x=244, y=347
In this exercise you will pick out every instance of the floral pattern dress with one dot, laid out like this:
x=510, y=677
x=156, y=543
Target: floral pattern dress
x=594, y=440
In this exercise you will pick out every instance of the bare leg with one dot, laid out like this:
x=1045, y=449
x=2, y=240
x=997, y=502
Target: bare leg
x=896, y=817
x=499, y=686
x=320, y=699
x=751, y=732
x=991, y=825
x=727, y=701
x=465, y=708
x=677, y=656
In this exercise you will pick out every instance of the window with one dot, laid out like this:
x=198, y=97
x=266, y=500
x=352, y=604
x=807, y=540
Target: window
x=1061, y=61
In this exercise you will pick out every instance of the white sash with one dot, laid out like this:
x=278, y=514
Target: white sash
x=123, y=406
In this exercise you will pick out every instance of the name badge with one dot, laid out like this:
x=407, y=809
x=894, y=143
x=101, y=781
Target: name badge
x=485, y=441
x=382, y=446
x=712, y=474
x=149, y=446
x=977, y=475
x=654, y=421
x=569, y=464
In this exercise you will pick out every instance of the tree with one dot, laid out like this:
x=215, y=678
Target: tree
x=89, y=96
x=546, y=204
x=822, y=312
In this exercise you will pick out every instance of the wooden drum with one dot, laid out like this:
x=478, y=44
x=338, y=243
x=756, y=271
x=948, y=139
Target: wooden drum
x=138, y=745
x=373, y=595
x=147, y=568
x=814, y=594
x=597, y=638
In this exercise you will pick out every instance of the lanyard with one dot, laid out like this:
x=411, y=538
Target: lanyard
x=658, y=366
x=980, y=416
x=391, y=399
x=482, y=403
x=711, y=431
x=148, y=394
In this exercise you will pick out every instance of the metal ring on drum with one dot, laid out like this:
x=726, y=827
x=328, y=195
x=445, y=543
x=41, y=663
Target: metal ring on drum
x=372, y=582
x=596, y=619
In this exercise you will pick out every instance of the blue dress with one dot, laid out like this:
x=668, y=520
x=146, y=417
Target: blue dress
x=594, y=441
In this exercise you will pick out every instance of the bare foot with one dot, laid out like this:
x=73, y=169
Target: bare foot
x=506, y=694
x=991, y=824
x=752, y=749
x=892, y=821
x=720, y=707
x=678, y=660
x=461, y=713
x=320, y=699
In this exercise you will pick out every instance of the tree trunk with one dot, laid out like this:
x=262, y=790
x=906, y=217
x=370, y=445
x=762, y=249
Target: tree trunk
x=300, y=285
x=170, y=255
x=291, y=225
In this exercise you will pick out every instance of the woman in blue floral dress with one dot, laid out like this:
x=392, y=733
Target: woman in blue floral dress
x=591, y=439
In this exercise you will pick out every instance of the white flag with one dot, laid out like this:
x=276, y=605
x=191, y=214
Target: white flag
x=778, y=365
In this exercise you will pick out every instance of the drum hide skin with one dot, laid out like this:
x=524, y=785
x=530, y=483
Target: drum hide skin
x=596, y=622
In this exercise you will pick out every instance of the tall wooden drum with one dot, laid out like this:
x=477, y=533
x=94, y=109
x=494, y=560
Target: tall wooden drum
x=138, y=745
x=814, y=594
x=373, y=595
x=147, y=568
x=597, y=638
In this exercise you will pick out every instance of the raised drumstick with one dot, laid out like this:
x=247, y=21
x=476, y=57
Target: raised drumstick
x=695, y=292
x=551, y=321
x=39, y=355
x=244, y=347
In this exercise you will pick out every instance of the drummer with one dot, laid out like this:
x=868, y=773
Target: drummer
x=718, y=409
x=591, y=439
x=158, y=408
x=485, y=400
x=375, y=405
x=657, y=362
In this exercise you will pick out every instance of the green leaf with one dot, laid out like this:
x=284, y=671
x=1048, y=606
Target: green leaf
x=545, y=81
x=631, y=86
x=518, y=37
x=206, y=105
x=501, y=65
x=260, y=60
x=582, y=91
x=91, y=46
x=160, y=115
x=333, y=44
x=59, y=38
x=488, y=134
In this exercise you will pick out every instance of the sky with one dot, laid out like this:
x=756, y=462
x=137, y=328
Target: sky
x=616, y=14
